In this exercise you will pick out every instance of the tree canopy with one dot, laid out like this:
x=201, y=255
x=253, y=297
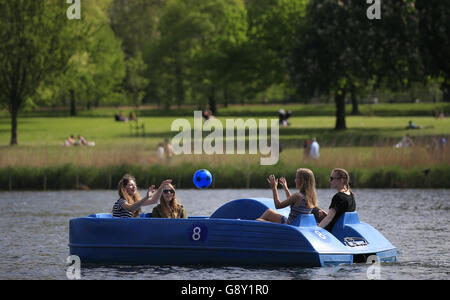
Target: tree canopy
x=210, y=52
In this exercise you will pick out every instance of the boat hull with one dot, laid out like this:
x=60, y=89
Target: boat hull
x=219, y=239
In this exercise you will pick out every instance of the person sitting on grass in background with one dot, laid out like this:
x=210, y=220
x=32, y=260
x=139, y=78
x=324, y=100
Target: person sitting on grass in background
x=343, y=201
x=82, y=142
x=70, y=141
x=121, y=117
x=130, y=202
x=411, y=125
x=132, y=116
x=168, y=206
x=300, y=203
x=405, y=142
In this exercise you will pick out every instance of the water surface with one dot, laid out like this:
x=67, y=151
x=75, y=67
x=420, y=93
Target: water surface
x=35, y=234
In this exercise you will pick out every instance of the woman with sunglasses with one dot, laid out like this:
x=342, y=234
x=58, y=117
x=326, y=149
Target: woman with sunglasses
x=130, y=202
x=343, y=201
x=168, y=206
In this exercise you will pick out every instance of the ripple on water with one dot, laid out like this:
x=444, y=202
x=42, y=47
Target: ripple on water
x=35, y=225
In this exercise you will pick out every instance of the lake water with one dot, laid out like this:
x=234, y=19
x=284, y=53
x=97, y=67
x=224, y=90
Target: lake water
x=35, y=234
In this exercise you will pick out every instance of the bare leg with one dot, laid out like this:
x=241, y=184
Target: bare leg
x=271, y=216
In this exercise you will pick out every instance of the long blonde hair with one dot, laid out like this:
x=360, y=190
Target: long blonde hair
x=171, y=210
x=345, y=176
x=122, y=191
x=308, y=186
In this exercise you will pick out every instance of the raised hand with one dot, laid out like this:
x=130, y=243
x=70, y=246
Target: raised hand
x=283, y=183
x=273, y=182
x=150, y=191
x=165, y=182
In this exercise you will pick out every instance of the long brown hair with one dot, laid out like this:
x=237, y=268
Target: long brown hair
x=122, y=191
x=343, y=174
x=171, y=210
x=308, y=186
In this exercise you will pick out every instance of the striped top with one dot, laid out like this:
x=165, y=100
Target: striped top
x=298, y=209
x=119, y=211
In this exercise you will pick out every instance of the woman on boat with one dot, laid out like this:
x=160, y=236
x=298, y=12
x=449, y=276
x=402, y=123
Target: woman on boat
x=318, y=212
x=300, y=203
x=343, y=201
x=168, y=206
x=130, y=202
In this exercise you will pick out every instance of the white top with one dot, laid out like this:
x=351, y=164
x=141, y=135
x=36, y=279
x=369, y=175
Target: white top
x=314, y=152
x=160, y=152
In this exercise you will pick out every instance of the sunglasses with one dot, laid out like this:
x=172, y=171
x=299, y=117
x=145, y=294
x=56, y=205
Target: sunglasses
x=168, y=191
x=333, y=178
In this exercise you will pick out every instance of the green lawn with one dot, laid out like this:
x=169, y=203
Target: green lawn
x=368, y=141
x=51, y=132
x=258, y=110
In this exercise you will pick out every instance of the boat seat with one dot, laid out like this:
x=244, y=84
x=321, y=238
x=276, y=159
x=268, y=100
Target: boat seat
x=346, y=226
x=304, y=220
x=102, y=216
x=349, y=226
x=244, y=209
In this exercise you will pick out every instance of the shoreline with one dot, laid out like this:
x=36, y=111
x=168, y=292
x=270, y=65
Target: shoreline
x=70, y=177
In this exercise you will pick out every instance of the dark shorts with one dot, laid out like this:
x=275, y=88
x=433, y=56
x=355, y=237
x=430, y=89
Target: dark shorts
x=283, y=220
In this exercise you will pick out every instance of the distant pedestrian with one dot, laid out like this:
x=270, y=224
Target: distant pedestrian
x=306, y=149
x=207, y=114
x=168, y=150
x=314, y=152
x=283, y=117
x=443, y=142
x=160, y=152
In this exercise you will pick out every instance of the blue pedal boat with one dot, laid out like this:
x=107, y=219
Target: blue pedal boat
x=229, y=236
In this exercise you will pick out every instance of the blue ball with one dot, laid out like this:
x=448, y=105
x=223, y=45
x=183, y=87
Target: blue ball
x=202, y=179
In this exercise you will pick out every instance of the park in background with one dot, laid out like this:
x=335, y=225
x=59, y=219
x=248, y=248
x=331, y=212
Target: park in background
x=161, y=60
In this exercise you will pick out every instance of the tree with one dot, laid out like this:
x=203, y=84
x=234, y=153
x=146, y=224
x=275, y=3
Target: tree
x=193, y=54
x=272, y=27
x=327, y=57
x=339, y=49
x=434, y=44
x=95, y=70
x=136, y=23
x=36, y=41
x=134, y=82
x=214, y=54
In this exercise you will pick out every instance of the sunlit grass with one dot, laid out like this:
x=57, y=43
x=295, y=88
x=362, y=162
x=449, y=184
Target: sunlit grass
x=368, y=142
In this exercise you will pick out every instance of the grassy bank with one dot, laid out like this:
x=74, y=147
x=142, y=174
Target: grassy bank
x=71, y=177
x=365, y=148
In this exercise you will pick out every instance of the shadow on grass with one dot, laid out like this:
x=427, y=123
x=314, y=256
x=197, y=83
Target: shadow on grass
x=295, y=137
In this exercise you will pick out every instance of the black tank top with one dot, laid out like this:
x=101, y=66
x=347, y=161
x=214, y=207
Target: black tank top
x=341, y=203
